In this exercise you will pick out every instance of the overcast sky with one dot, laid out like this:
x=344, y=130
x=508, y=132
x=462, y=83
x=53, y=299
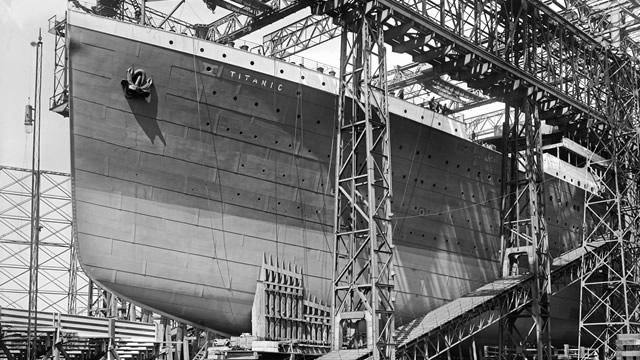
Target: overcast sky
x=19, y=23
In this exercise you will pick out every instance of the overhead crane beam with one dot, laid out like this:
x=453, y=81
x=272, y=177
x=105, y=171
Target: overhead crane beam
x=300, y=35
x=566, y=62
x=414, y=78
x=518, y=55
x=245, y=20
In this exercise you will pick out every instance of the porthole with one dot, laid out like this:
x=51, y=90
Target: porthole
x=251, y=62
x=214, y=92
x=323, y=84
x=277, y=110
x=255, y=104
x=201, y=49
x=281, y=71
x=235, y=98
x=302, y=77
x=224, y=55
x=208, y=68
x=170, y=42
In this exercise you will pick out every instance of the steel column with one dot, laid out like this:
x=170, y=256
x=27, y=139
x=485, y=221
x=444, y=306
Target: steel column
x=610, y=288
x=524, y=232
x=363, y=250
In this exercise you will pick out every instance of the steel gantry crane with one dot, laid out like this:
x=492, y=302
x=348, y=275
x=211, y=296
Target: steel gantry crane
x=363, y=304
x=546, y=68
x=610, y=288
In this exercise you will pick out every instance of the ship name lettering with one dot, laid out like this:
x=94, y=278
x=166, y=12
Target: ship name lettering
x=254, y=80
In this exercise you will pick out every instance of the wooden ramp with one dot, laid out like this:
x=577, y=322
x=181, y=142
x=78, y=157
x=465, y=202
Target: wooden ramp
x=446, y=326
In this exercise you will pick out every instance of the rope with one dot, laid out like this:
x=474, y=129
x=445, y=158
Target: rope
x=219, y=181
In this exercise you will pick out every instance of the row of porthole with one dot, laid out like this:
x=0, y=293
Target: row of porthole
x=558, y=222
x=421, y=212
x=446, y=162
x=224, y=55
x=564, y=177
x=447, y=240
x=439, y=122
x=434, y=185
x=278, y=203
x=276, y=142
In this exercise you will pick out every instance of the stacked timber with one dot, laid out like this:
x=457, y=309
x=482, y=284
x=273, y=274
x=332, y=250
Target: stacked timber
x=628, y=346
x=283, y=312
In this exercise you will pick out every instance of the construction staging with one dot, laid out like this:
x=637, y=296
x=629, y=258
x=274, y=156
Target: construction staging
x=476, y=196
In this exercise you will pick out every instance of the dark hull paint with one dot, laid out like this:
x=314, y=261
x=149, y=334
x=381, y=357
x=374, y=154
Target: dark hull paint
x=178, y=198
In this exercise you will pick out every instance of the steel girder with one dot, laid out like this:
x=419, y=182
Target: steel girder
x=415, y=79
x=610, y=289
x=546, y=52
x=363, y=247
x=300, y=35
x=59, y=102
x=242, y=22
x=524, y=229
x=484, y=125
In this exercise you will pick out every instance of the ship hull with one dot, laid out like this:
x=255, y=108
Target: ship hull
x=178, y=197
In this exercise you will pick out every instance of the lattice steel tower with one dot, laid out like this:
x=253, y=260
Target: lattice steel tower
x=363, y=305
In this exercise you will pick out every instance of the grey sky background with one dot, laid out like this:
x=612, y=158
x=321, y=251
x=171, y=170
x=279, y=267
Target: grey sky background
x=19, y=23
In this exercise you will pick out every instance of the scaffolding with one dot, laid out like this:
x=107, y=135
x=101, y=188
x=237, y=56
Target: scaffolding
x=363, y=247
x=580, y=76
x=62, y=286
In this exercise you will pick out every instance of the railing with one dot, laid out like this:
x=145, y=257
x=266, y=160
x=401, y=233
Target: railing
x=131, y=12
x=59, y=102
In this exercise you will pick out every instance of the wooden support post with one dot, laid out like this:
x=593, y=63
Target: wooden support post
x=167, y=339
x=5, y=350
x=185, y=343
x=112, y=351
x=474, y=349
x=179, y=338
x=56, y=337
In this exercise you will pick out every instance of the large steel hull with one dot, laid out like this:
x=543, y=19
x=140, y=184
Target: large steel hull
x=178, y=197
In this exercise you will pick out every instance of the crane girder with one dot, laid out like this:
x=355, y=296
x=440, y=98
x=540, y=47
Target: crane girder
x=245, y=20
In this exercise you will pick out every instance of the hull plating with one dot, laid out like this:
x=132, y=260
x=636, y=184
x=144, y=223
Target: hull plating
x=178, y=197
